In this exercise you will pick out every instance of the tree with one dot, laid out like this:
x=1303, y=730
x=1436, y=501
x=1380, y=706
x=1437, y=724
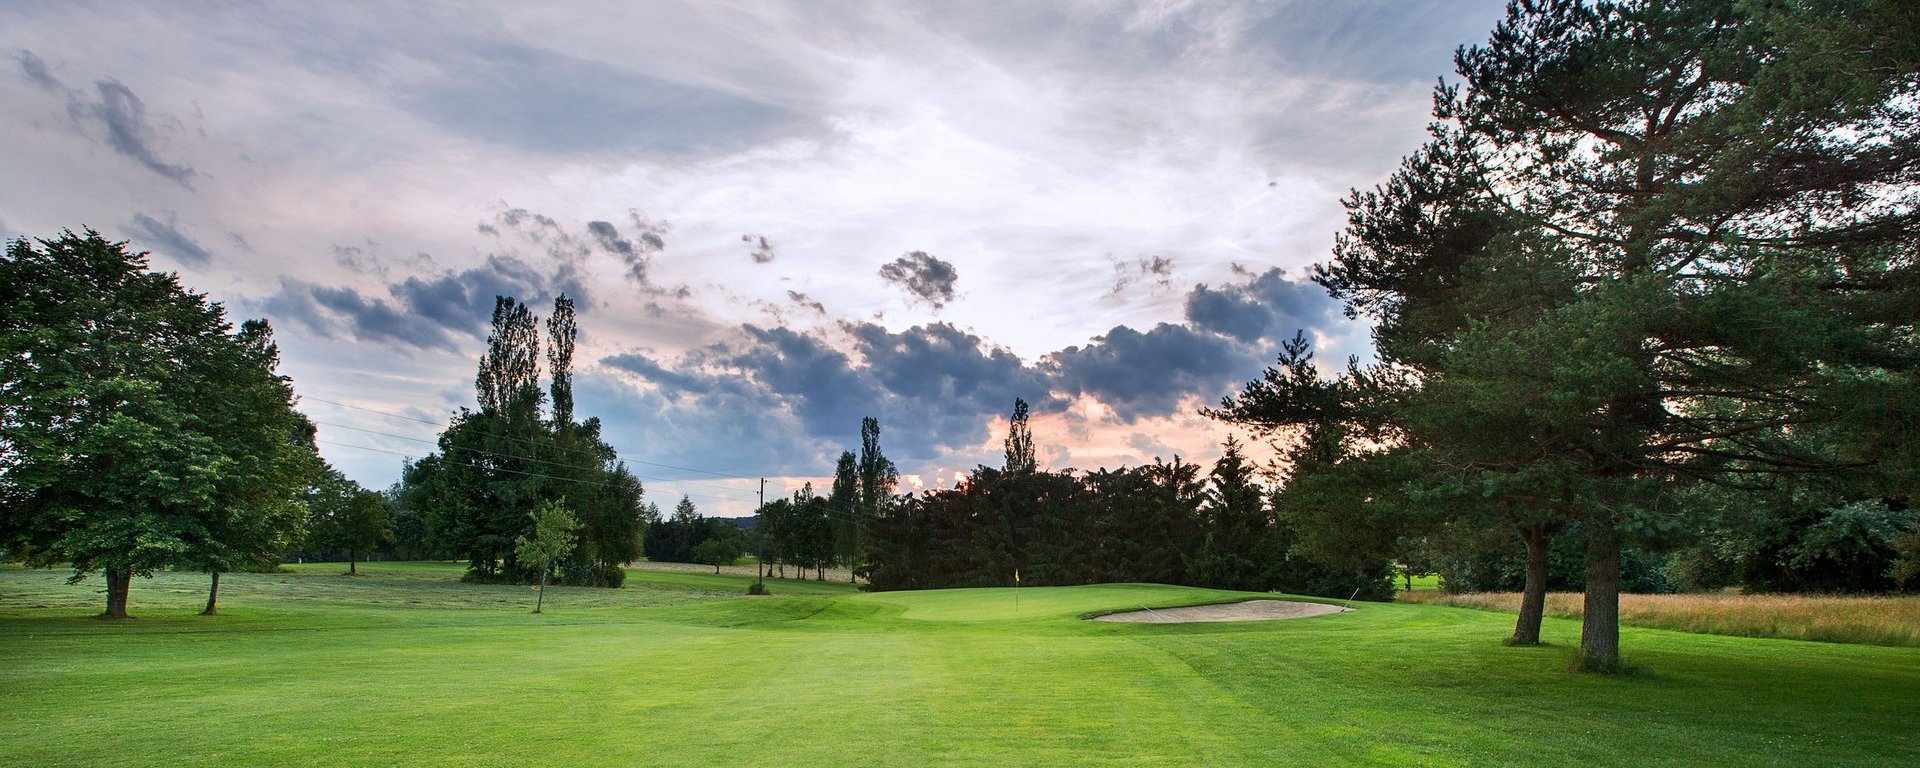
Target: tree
x=137, y=430
x=261, y=517
x=1020, y=457
x=562, y=330
x=1235, y=522
x=878, y=476
x=552, y=538
x=347, y=517
x=717, y=552
x=506, y=457
x=1729, y=193
x=1649, y=245
x=843, y=503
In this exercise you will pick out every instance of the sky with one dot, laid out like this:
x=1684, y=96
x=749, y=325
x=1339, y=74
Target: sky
x=775, y=218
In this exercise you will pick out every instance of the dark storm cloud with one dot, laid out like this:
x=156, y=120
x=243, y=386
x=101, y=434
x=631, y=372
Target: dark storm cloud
x=933, y=387
x=645, y=367
x=1268, y=306
x=1148, y=374
x=434, y=312
x=1226, y=313
x=123, y=118
x=936, y=387
x=762, y=249
x=330, y=310
x=926, y=277
x=819, y=383
x=166, y=237
x=939, y=363
x=36, y=71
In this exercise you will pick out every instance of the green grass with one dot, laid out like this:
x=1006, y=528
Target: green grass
x=1420, y=583
x=407, y=666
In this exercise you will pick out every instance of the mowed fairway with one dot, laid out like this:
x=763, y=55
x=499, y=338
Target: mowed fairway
x=405, y=666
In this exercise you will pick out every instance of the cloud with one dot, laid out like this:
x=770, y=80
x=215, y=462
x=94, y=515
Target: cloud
x=534, y=99
x=167, y=238
x=431, y=312
x=806, y=301
x=360, y=260
x=1158, y=269
x=926, y=277
x=648, y=237
x=939, y=387
x=609, y=238
x=123, y=117
x=762, y=249
x=1268, y=306
x=1148, y=373
x=36, y=71
x=943, y=366
x=1148, y=446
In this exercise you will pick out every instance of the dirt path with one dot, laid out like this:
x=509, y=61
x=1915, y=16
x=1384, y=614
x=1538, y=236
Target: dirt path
x=1251, y=610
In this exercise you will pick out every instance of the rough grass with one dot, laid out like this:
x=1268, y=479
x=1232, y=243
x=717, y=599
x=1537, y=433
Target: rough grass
x=1870, y=620
x=407, y=666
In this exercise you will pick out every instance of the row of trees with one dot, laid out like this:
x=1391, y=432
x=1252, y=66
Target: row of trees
x=497, y=463
x=689, y=537
x=1652, y=278
x=1162, y=522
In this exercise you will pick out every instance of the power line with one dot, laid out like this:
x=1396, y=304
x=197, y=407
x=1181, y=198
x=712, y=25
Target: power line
x=502, y=469
x=524, y=458
x=505, y=437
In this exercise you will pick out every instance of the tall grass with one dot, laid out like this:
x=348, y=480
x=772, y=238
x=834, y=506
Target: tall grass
x=1891, y=621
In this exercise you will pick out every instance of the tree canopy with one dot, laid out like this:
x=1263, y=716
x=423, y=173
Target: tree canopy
x=1649, y=245
x=138, y=429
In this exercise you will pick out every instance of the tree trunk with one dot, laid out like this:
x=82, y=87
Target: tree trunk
x=1600, y=626
x=213, y=595
x=541, y=597
x=118, y=579
x=353, y=561
x=1533, y=599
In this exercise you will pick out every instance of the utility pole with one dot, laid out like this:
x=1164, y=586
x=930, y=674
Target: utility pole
x=760, y=528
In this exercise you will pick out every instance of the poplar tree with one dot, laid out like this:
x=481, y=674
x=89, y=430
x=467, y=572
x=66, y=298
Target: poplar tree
x=843, y=502
x=1020, y=457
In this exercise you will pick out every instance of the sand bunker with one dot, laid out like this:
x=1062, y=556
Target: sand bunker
x=1251, y=610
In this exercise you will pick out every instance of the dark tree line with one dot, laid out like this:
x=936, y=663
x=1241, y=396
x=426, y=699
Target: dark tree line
x=680, y=538
x=1163, y=522
x=496, y=464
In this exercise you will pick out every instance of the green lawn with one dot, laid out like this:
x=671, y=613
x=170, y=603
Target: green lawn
x=406, y=666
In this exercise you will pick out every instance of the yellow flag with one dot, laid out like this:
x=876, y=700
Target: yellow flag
x=1016, y=576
